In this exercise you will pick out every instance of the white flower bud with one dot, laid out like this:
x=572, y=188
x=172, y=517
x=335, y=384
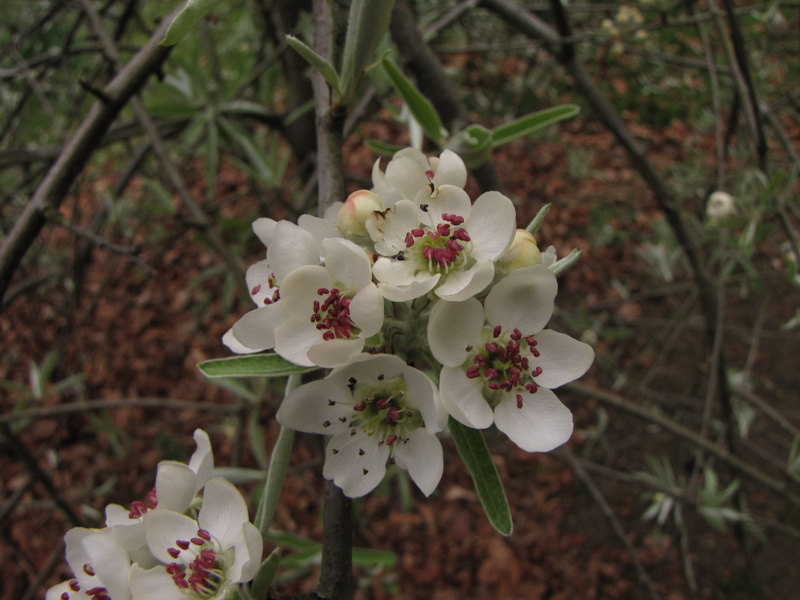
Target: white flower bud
x=523, y=252
x=354, y=213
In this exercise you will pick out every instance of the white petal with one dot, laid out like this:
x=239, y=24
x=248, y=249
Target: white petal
x=458, y=391
x=415, y=289
x=491, y=225
x=292, y=247
x=448, y=199
x=453, y=329
x=175, y=485
x=395, y=272
x=334, y=353
x=366, y=310
x=356, y=463
x=347, y=263
x=369, y=366
x=461, y=285
x=153, y=583
x=76, y=554
x=56, y=592
x=246, y=555
x=388, y=230
x=299, y=290
x=319, y=228
x=257, y=278
x=421, y=456
x=256, y=329
x=265, y=230
x=562, y=358
x=543, y=422
x=450, y=170
x=224, y=511
x=406, y=172
x=110, y=562
x=423, y=396
x=235, y=346
x=523, y=299
x=202, y=461
x=163, y=528
x=293, y=340
x=308, y=407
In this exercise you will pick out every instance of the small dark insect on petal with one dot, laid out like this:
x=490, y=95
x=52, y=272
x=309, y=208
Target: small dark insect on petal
x=331, y=402
x=381, y=377
x=326, y=424
x=361, y=452
x=366, y=471
x=334, y=451
x=423, y=207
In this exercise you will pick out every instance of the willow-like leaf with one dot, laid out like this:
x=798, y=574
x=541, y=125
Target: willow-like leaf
x=473, y=450
x=192, y=13
x=419, y=105
x=533, y=122
x=251, y=365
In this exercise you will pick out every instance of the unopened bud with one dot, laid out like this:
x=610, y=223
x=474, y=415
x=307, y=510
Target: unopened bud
x=354, y=213
x=523, y=252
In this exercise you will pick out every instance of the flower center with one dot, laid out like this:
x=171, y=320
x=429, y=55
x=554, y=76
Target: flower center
x=381, y=409
x=139, y=508
x=332, y=315
x=442, y=247
x=272, y=285
x=200, y=572
x=503, y=364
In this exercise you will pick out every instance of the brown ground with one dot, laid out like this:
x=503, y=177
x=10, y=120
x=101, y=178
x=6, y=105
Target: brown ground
x=137, y=336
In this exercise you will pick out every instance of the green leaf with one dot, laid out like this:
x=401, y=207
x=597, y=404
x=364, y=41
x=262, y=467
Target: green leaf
x=191, y=15
x=374, y=558
x=266, y=573
x=419, y=105
x=383, y=149
x=473, y=144
x=276, y=473
x=366, y=27
x=533, y=122
x=473, y=450
x=251, y=365
x=315, y=60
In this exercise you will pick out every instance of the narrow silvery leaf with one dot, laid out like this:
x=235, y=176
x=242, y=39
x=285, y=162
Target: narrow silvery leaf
x=315, y=60
x=366, y=27
x=273, y=485
x=565, y=263
x=534, y=225
x=530, y=123
x=420, y=107
x=473, y=144
x=192, y=13
x=252, y=365
x=266, y=573
x=383, y=148
x=475, y=453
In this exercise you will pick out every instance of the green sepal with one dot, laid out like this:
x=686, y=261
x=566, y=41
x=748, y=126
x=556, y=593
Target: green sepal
x=473, y=144
x=420, y=107
x=475, y=453
x=533, y=122
x=315, y=60
x=191, y=15
x=266, y=573
x=251, y=365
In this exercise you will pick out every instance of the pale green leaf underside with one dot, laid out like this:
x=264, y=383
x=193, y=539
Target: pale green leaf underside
x=251, y=365
x=473, y=450
x=530, y=123
x=327, y=70
x=419, y=105
x=191, y=15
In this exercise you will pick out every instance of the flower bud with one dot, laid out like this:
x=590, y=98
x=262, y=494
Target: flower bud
x=523, y=252
x=720, y=206
x=354, y=214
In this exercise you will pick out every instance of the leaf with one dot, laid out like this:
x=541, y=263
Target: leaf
x=191, y=15
x=366, y=27
x=473, y=144
x=251, y=365
x=419, y=105
x=315, y=60
x=473, y=450
x=266, y=573
x=533, y=122
x=383, y=149
x=270, y=496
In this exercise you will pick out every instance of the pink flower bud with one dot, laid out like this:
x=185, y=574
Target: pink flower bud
x=354, y=214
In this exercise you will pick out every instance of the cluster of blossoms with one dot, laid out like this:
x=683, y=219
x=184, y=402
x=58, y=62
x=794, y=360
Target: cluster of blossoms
x=411, y=272
x=166, y=547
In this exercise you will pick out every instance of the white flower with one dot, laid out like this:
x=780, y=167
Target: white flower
x=499, y=365
x=330, y=310
x=289, y=247
x=99, y=564
x=441, y=242
x=176, y=487
x=377, y=409
x=202, y=559
x=721, y=205
x=410, y=172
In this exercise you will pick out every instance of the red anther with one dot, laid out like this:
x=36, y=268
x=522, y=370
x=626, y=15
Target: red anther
x=87, y=568
x=74, y=585
x=502, y=354
x=393, y=416
x=409, y=240
x=525, y=363
x=443, y=229
x=513, y=346
x=204, y=534
x=182, y=544
x=255, y=290
x=531, y=341
x=493, y=386
x=180, y=580
x=497, y=331
x=461, y=234
x=95, y=591
x=473, y=372
x=516, y=335
x=383, y=403
x=531, y=387
x=491, y=347
x=432, y=234
x=173, y=552
x=316, y=306
x=391, y=440
x=491, y=374
x=267, y=301
x=454, y=219
x=197, y=541
x=173, y=568
x=328, y=336
x=535, y=352
x=427, y=252
x=323, y=291
x=454, y=245
x=360, y=406
x=65, y=596
x=479, y=360
x=537, y=371
x=519, y=400
x=429, y=174
x=138, y=508
x=151, y=500
x=417, y=232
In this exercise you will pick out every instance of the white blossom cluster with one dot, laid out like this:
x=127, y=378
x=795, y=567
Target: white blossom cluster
x=164, y=547
x=400, y=286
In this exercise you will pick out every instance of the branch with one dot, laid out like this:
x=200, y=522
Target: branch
x=78, y=150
